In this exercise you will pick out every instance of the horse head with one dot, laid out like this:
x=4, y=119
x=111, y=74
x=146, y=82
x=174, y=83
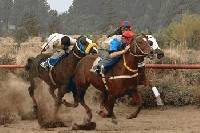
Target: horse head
x=83, y=47
x=155, y=47
x=141, y=46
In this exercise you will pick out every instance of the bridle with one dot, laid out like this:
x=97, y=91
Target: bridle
x=80, y=48
x=124, y=59
x=136, y=46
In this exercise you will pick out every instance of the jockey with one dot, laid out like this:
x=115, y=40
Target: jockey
x=118, y=46
x=54, y=41
x=126, y=25
x=61, y=46
x=61, y=51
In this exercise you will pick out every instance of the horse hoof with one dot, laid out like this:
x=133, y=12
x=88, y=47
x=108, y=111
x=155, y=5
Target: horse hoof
x=87, y=126
x=114, y=121
x=86, y=120
x=130, y=117
x=75, y=127
x=75, y=105
x=63, y=101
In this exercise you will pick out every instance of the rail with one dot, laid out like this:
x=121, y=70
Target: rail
x=153, y=66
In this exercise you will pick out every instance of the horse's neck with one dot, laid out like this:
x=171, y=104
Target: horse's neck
x=131, y=62
x=73, y=59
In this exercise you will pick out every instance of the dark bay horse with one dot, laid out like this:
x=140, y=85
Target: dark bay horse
x=143, y=79
x=60, y=74
x=120, y=79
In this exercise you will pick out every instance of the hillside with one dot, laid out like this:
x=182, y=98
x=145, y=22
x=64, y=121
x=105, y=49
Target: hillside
x=86, y=16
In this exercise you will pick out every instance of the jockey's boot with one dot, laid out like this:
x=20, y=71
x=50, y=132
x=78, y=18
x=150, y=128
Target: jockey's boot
x=47, y=68
x=45, y=65
x=96, y=70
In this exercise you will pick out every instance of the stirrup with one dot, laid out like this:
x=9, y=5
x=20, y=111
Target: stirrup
x=96, y=71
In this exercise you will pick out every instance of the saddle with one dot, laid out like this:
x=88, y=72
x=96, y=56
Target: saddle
x=54, y=60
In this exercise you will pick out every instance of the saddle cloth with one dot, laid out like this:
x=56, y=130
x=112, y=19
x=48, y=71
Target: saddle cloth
x=104, y=61
x=55, y=59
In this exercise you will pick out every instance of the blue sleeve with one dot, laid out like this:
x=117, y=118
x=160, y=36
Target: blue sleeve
x=114, y=44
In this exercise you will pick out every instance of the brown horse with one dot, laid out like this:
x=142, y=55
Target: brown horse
x=122, y=78
x=60, y=75
x=143, y=78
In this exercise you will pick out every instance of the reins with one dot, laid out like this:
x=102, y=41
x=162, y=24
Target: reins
x=124, y=59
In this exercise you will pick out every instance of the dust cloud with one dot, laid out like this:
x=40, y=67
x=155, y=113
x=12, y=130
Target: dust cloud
x=17, y=105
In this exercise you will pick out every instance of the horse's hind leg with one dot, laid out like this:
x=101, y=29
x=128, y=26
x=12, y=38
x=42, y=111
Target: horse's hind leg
x=109, y=105
x=57, y=100
x=137, y=98
x=31, y=93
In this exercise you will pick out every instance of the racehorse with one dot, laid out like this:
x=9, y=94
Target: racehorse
x=143, y=79
x=60, y=75
x=120, y=79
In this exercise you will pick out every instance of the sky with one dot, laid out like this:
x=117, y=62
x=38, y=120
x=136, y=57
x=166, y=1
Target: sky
x=60, y=5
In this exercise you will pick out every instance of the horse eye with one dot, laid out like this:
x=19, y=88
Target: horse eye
x=151, y=43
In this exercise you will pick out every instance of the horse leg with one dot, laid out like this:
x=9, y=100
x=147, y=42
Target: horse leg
x=109, y=105
x=102, y=100
x=145, y=81
x=64, y=102
x=51, y=91
x=31, y=93
x=58, y=100
x=81, y=95
x=157, y=95
x=155, y=92
x=137, y=98
x=72, y=87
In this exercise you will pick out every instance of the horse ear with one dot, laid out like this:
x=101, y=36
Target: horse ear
x=143, y=34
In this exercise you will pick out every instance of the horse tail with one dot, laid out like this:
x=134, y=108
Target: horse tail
x=29, y=63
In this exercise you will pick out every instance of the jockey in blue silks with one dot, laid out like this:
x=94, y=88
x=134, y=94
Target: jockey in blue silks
x=117, y=47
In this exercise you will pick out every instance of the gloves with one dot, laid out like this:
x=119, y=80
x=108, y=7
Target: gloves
x=126, y=48
x=115, y=54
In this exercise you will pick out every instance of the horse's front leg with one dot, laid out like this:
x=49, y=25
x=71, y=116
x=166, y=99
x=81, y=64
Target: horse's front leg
x=81, y=95
x=31, y=90
x=58, y=100
x=137, y=98
x=51, y=91
x=102, y=100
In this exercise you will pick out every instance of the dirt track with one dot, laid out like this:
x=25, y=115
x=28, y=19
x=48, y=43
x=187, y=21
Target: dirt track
x=173, y=119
